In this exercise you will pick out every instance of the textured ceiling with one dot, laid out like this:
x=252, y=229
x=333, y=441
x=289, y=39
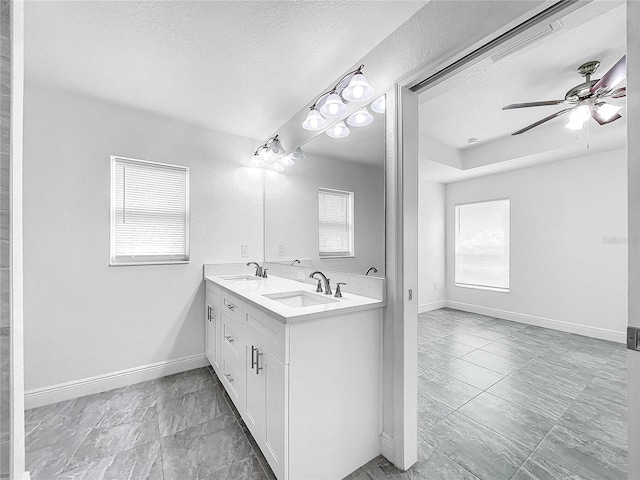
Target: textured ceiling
x=242, y=67
x=470, y=103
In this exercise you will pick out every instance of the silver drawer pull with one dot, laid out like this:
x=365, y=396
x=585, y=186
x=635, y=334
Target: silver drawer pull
x=229, y=377
x=258, y=367
x=230, y=306
x=228, y=338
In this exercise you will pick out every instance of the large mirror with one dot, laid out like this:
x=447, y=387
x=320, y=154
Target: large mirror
x=327, y=210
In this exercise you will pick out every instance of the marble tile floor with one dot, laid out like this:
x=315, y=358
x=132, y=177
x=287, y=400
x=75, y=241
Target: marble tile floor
x=179, y=427
x=500, y=400
x=497, y=400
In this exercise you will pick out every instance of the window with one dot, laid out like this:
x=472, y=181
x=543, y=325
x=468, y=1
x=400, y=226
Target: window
x=335, y=223
x=149, y=212
x=482, y=245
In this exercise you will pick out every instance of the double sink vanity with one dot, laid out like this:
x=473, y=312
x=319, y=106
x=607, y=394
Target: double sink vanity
x=302, y=368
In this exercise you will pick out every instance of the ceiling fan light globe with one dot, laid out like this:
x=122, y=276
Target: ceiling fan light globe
x=574, y=125
x=606, y=110
x=580, y=114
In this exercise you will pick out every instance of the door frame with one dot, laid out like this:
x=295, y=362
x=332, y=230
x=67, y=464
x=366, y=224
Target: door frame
x=406, y=150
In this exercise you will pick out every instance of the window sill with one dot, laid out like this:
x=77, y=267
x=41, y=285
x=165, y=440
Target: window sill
x=158, y=262
x=481, y=287
x=336, y=256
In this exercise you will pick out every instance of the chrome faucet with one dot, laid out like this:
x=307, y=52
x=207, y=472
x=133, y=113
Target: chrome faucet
x=327, y=285
x=371, y=269
x=295, y=261
x=258, y=268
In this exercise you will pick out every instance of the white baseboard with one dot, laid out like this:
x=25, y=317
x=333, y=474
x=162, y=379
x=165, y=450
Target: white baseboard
x=595, y=332
x=386, y=447
x=427, y=307
x=39, y=397
x=26, y=476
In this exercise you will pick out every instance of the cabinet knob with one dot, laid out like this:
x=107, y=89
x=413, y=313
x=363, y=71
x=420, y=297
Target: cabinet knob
x=229, y=377
x=228, y=338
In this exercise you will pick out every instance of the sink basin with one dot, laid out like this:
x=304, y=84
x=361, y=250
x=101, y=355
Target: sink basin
x=300, y=299
x=242, y=277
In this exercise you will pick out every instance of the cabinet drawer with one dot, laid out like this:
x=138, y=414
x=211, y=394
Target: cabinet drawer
x=231, y=307
x=213, y=294
x=266, y=331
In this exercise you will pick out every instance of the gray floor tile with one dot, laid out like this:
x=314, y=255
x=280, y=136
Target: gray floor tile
x=430, y=359
x=469, y=339
x=183, y=383
x=445, y=345
x=119, y=432
x=598, y=418
x=141, y=463
x=446, y=389
x=551, y=404
x=430, y=412
x=200, y=451
x=478, y=449
x=434, y=465
x=497, y=363
x=590, y=457
x=177, y=413
x=539, y=468
x=470, y=373
x=548, y=380
x=245, y=469
x=511, y=350
x=508, y=419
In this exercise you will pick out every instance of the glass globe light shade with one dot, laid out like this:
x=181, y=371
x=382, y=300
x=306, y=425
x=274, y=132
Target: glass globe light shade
x=314, y=121
x=360, y=118
x=358, y=89
x=333, y=107
x=339, y=130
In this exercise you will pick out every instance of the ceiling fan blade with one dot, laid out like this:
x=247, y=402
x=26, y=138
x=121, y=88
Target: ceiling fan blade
x=619, y=93
x=598, y=118
x=533, y=104
x=540, y=122
x=614, y=76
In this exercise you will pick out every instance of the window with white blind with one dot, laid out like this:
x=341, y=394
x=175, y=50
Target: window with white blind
x=149, y=212
x=335, y=223
x=482, y=245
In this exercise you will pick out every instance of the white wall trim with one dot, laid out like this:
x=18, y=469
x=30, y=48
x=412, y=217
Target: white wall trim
x=595, y=332
x=39, y=397
x=386, y=446
x=427, y=307
x=26, y=476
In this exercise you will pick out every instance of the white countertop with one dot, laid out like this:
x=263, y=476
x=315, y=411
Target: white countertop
x=253, y=291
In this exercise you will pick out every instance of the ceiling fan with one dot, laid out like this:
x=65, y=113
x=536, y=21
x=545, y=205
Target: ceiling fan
x=586, y=99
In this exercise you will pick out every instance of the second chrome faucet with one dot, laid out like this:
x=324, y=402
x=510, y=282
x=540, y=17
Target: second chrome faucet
x=327, y=285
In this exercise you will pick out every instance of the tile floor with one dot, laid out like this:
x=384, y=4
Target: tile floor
x=497, y=400
x=502, y=400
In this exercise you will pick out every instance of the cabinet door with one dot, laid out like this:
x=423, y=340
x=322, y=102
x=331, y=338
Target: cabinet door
x=270, y=393
x=233, y=362
x=212, y=335
x=254, y=412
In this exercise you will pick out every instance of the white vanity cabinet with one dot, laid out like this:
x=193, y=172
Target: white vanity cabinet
x=309, y=390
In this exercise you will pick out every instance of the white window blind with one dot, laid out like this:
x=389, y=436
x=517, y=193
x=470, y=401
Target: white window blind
x=149, y=212
x=482, y=245
x=335, y=223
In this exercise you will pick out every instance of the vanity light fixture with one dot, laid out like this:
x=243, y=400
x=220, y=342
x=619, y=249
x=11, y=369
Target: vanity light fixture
x=378, y=105
x=297, y=154
x=339, y=130
x=360, y=118
x=286, y=161
x=270, y=155
x=353, y=87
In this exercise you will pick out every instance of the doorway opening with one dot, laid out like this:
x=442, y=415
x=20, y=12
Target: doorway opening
x=522, y=259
